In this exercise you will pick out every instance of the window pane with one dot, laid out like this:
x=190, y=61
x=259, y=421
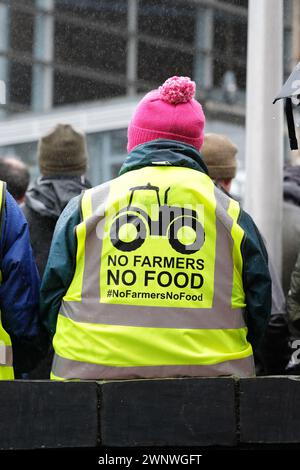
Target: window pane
x=71, y=89
x=85, y=48
x=20, y=85
x=27, y=152
x=169, y=20
x=240, y=3
x=111, y=12
x=21, y=31
x=119, y=142
x=156, y=64
x=230, y=48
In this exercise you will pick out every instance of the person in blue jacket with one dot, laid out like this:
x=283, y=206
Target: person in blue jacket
x=23, y=340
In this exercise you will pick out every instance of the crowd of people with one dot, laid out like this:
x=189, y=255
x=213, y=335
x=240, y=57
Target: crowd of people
x=156, y=273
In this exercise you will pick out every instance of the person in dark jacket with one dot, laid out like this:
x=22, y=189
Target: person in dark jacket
x=293, y=317
x=20, y=325
x=291, y=260
x=154, y=300
x=219, y=154
x=62, y=156
x=290, y=223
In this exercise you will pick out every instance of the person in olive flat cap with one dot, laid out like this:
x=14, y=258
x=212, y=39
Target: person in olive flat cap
x=62, y=152
x=62, y=157
x=219, y=155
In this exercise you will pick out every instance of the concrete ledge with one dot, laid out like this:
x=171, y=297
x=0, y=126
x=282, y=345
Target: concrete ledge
x=48, y=414
x=270, y=410
x=178, y=412
x=202, y=412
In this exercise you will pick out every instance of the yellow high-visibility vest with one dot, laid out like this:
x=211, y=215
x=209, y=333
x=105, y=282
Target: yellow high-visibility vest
x=157, y=289
x=6, y=357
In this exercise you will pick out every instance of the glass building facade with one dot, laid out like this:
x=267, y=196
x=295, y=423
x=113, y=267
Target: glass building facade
x=88, y=62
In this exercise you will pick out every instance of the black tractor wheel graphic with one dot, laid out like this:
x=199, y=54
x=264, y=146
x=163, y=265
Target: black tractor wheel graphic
x=171, y=219
x=127, y=220
x=186, y=222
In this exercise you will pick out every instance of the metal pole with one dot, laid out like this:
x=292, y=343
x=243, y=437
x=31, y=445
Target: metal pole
x=295, y=33
x=264, y=122
x=294, y=157
x=132, y=46
x=4, y=44
x=204, y=32
x=42, y=81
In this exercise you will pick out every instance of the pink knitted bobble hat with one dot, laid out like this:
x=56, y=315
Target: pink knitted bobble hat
x=170, y=112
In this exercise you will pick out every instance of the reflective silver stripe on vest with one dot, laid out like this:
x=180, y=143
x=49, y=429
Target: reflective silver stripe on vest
x=6, y=355
x=220, y=316
x=153, y=317
x=6, y=352
x=224, y=256
x=93, y=245
x=69, y=369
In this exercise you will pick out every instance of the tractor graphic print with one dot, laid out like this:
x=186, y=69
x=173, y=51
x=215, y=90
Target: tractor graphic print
x=171, y=220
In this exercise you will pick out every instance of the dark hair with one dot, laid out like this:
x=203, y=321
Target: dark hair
x=16, y=175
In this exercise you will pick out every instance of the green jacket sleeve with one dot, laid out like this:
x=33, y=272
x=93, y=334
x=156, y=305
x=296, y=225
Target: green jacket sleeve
x=61, y=264
x=256, y=279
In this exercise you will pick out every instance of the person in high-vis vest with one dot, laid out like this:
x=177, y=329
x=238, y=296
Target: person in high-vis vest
x=22, y=337
x=156, y=273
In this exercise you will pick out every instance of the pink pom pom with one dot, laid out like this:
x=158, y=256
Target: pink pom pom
x=177, y=90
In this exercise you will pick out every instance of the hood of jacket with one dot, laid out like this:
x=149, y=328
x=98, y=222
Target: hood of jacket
x=49, y=196
x=162, y=152
x=291, y=184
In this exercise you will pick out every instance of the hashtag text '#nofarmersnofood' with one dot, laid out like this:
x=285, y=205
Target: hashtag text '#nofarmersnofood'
x=116, y=293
